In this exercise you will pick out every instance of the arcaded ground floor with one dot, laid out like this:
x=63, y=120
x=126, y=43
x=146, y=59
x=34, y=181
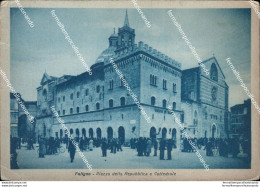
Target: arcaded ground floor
x=127, y=159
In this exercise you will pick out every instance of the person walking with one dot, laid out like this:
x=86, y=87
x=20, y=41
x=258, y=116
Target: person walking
x=162, y=148
x=104, y=148
x=42, y=147
x=235, y=147
x=209, y=148
x=91, y=144
x=155, y=147
x=169, y=149
x=148, y=147
x=71, y=150
x=138, y=146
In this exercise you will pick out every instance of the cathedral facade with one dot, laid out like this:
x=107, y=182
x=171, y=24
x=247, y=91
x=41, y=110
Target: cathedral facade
x=99, y=105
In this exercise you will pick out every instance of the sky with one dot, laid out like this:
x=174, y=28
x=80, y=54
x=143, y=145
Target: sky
x=220, y=32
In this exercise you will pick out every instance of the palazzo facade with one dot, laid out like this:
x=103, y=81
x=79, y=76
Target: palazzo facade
x=98, y=105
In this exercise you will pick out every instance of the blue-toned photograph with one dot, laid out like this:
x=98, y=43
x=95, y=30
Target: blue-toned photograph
x=116, y=88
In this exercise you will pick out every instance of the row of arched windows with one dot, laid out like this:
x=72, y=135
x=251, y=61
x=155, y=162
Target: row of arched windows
x=78, y=93
x=164, y=103
x=111, y=105
x=111, y=102
x=78, y=110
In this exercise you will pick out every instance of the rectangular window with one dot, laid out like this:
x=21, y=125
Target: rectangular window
x=182, y=118
x=174, y=88
x=63, y=98
x=98, y=89
x=164, y=84
x=111, y=84
x=153, y=80
x=86, y=92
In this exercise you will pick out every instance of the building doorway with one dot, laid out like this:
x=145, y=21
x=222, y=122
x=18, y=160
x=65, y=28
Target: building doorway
x=109, y=133
x=213, y=130
x=90, y=133
x=121, y=134
x=84, y=132
x=164, y=133
x=77, y=133
x=98, y=133
x=153, y=133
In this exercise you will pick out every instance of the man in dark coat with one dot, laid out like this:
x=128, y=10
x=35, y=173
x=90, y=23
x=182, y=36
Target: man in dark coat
x=162, y=148
x=138, y=146
x=235, y=148
x=155, y=142
x=71, y=150
x=42, y=147
x=13, y=155
x=104, y=148
x=169, y=149
x=209, y=148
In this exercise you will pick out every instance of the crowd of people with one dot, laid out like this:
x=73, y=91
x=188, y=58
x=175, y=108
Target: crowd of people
x=217, y=146
x=144, y=146
x=88, y=144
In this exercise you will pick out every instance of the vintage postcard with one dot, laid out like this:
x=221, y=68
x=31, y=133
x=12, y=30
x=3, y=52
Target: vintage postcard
x=129, y=90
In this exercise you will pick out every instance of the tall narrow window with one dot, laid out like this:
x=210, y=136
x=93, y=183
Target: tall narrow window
x=174, y=88
x=98, y=89
x=152, y=101
x=71, y=96
x=164, y=84
x=86, y=92
x=182, y=118
x=78, y=94
x=86, y=108
x=111, y=103
x=97, y=106
x=77, y=109
x=111, y=84
x=153, y=80
x=174, y=106
x=164, y=103
x=71, y=110
x=122, y=101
